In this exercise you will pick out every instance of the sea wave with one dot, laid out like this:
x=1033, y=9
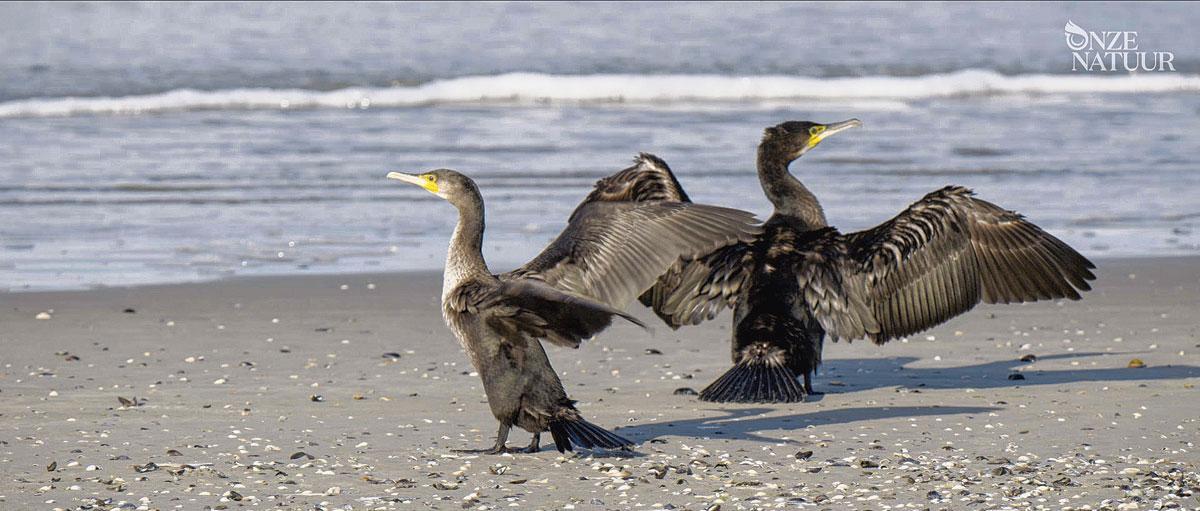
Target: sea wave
x=535, y=88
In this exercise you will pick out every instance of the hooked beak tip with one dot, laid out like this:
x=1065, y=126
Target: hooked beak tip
x=407, y=178
x=838, y=127
x=847, y=124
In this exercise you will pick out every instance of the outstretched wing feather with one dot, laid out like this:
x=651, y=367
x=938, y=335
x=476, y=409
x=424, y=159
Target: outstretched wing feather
x=948, y=252
x=612, y=252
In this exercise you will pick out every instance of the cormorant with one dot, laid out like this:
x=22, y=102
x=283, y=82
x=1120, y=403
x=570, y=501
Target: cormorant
x=802, y=279
x=608, y=254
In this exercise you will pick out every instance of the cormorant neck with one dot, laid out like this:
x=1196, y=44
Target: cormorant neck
x=788, y=194
x=465, y=257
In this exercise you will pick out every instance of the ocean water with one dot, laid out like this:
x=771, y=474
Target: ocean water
x=145, y=143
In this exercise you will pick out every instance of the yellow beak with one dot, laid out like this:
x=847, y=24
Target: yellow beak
x=428, y=184
x=833, y=129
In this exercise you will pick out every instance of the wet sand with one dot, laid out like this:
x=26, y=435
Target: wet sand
x=347, y=392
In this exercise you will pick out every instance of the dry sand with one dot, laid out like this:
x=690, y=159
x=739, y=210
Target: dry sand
x=276, y=393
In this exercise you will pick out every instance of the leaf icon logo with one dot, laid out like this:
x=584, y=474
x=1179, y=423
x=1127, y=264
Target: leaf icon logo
x=1077, y=38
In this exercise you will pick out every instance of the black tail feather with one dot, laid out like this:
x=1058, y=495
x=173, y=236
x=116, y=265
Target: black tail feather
x=560, y=437
x=578, y=432
x=755, y=381
x=590, y=439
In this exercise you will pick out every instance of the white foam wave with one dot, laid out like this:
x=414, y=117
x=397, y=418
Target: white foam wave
x=523, y=88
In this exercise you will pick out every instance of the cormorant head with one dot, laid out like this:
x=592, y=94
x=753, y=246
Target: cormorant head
x=448, y=184
x=794, y=138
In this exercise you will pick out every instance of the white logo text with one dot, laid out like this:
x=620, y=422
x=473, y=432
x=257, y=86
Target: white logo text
x=1110, y=50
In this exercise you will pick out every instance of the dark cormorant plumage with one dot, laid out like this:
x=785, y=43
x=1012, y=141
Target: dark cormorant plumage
x=802, y=279
x=608, y=254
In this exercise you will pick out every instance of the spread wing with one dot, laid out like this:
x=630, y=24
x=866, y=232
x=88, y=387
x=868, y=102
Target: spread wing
x=535, y=309
x=937, y=259
x=613, y=251
x=949, y=251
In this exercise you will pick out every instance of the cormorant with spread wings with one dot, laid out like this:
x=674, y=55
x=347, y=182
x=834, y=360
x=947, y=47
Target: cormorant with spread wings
x=802, y=279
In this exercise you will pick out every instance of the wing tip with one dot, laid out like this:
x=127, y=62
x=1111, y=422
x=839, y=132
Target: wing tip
x=636, y=321
x=650, y=160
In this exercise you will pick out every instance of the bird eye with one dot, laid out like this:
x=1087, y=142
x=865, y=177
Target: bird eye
x=815, y=130
x=431, y=178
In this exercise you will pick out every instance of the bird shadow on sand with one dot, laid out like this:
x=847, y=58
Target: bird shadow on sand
x=743, y=423
x=852, y=375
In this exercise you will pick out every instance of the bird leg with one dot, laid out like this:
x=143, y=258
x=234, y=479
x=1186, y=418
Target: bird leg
x=808, y=389
x=499, y=448
x=535, y=445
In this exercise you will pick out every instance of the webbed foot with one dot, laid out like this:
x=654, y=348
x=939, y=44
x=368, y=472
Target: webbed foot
x=498, y=448
x=534, y=446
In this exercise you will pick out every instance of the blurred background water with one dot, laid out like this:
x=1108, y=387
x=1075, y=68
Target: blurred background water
x=144, y=143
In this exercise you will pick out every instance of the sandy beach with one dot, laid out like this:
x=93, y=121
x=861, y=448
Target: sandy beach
x=347, y=392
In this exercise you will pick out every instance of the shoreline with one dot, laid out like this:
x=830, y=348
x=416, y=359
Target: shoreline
x=381, y=275
x=229, y=386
